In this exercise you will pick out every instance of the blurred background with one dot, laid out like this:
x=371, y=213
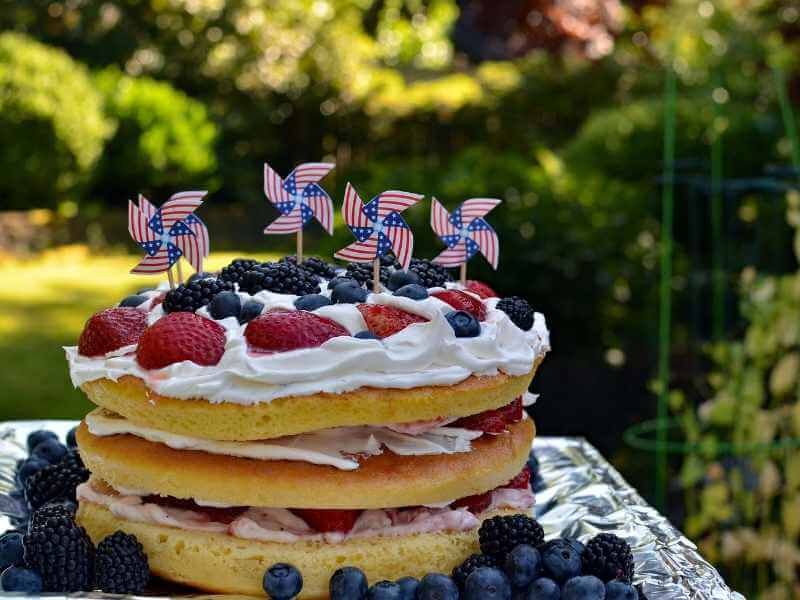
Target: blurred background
x=556, y=106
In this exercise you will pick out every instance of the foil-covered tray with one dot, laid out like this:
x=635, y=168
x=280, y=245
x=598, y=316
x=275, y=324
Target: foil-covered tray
x=578, y=494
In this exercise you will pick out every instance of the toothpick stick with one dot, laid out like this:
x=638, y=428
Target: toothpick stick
x=180, y=271
x=299, y=246
x=376, y=275
x=463, y=274
x=171, y=279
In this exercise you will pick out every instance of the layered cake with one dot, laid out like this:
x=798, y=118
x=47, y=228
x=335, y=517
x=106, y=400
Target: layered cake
x=277, y=412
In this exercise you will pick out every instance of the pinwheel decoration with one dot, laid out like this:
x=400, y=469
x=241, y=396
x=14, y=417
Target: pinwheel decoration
x=378, y=226
x=465, y=232
x=299, y=198
x=168, y=233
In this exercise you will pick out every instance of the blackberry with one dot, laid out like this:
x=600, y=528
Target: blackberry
x=430, y=274
x=53, y=509
x=56, y=482
x=61, y=552
x=188, y=297
x=236, y=269
x=500, y=535
x=362, y=273
x=608, y=557
x=280, y=277
x=121, y=565
x=389, y=260
x=315, y=265
x=462, y=571
x=518, y=310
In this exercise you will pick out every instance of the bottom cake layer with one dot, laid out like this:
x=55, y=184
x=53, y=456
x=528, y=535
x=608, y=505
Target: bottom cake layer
x=221, y=563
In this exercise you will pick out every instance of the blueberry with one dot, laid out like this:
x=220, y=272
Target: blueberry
x=50, y=450
x=413, y=291
x=28, y=468
x=311, y=302
x=39, y=436
x=463, y=323
x=282, y=581
x=523, y=565
x=225, y=304
x=201, y=275
x=17, y=579
x=560, y=560
x=71, y=441
x=366, y=335
x=348, y=292
x=487, y=583
x=587, y=587
x=10, y=549
x=133, y=301
x=544, y=588
x=250, y=310
x=576, y=544
x=621, y=590
x=340, y=279
x=408, y=588
x=384, y=590
x=348, y=583
x=400, y=278
x=435, y=586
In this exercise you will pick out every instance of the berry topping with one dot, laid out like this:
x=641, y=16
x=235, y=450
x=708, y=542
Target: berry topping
x=325, y=520
x=362, y=273
x=61, y=552
x=400, y=278
x=493, y=421
x=282, y=582
x=348, y=291
x=584, y=587
x=487, y=583
x=189, y=297
x=608, y=557
x=430, y=274
x=500, y=535
x=110, y=330
x=236, y=270
x=311, y=302
x=133, y=301
x=413, y=291
x=463, y=324
x=201, y=275
x=384, y=321
x=475, y=504
x=56, y=482
x=348, y=583
x=319, y=267
x=435, y=586
x=481, y=289
x=280, y=277
x=521, y=481
x=461, y=572
x=560, y=560
x=518, y=310
x=225, y=304
x=463, y=301
x=523, y=565
x=250, y=310
x=181, y=336
x=121, y=565
x=281, y=331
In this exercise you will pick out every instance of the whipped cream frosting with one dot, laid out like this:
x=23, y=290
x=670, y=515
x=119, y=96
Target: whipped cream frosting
x=283, y=526
x=336, y=447
x=422, y=354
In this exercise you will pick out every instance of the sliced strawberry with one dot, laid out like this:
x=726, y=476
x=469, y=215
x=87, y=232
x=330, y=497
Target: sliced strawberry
x=463, y=301
x=493, y=421
x=157, y=301
x=384, y=321
x=512, y=413
x=325, y=520
x=219, y=515
x=481, y=289
x=284, y=330
x=181, y=336
x=521, y=481
x=475, y=504
x=111, y=329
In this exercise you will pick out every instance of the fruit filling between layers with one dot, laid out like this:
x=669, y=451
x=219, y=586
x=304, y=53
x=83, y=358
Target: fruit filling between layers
x=288, y=526
x=340, y=447
x=411, y=344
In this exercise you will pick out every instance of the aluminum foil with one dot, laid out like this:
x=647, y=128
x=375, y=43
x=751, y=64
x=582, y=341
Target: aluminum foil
x=579, y=494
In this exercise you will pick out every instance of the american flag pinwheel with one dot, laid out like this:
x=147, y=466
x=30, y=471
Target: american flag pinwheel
x=299, y=198
x=465, y=232
x=169, y=232
x=378, y=226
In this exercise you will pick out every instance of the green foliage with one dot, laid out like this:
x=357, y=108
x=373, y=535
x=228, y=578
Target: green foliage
x=52, y=126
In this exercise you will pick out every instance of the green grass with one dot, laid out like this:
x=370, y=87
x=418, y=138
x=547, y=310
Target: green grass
x=44, y=303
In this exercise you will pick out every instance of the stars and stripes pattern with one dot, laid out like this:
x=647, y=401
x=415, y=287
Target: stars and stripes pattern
x=465, y=232
x=298, y=198
x=378, y=226
x=163, y=233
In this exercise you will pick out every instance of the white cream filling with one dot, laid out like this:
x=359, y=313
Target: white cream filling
x=334, y=447
x=422, y=354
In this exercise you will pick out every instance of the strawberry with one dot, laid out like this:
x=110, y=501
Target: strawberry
x=283, y=330
x=481, y=289
x=111, y=329
x=181, y=336
x=474, y=504
x=384, y=321
x=493, y=421
x=462, y=301
x=512, y=413
x=157, y=300
x=325, y=520
x=521, y=481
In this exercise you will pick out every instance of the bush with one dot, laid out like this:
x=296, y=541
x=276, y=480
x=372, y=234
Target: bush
x=164, y=141
x=52, y=126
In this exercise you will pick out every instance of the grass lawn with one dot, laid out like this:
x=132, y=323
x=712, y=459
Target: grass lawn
x=44, y=303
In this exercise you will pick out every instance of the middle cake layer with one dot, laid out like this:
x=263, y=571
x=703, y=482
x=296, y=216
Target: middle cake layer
x=129, y=462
